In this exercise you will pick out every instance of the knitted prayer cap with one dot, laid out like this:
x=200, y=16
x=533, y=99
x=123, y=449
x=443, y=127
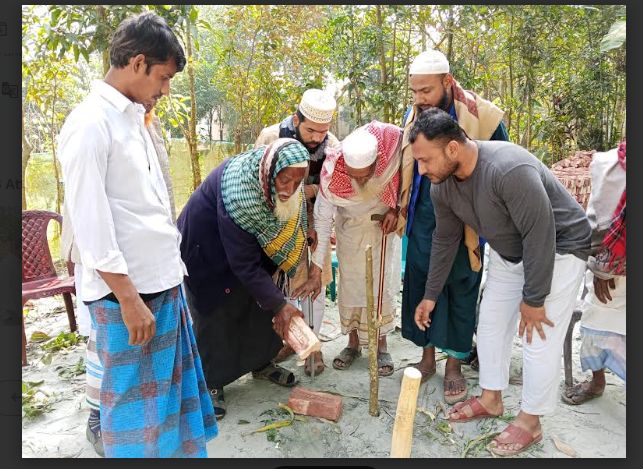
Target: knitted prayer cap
x=359, y=149
x=429, y=62
x=318, y=106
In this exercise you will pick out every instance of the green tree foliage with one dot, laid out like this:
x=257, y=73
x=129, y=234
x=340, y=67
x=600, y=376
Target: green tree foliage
x=558, y=71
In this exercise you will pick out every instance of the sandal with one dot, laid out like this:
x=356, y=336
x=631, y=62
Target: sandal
x=425, y=374
x=384, y=360
x=579, y=394
x=277, y=374
x=318, y=359
x=477, y=411
x=513, y=434
x=452, y=384
x=345, y=358
x=216, y=395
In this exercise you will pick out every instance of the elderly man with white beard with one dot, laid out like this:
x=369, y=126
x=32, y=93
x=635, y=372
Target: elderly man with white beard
x=243, y=235
x=359, y=181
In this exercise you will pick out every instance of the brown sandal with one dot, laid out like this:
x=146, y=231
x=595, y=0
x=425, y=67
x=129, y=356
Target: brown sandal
x=452, y=384
x=513, y=434
x=579, y=394
x=477, y=411
x=277, y=374
x=425, y=374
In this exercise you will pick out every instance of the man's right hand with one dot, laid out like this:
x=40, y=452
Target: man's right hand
x=281, y=321
x=423, y=314
x=139, y=320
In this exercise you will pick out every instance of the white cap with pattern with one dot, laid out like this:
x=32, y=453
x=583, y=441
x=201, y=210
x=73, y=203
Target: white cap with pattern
x=318, y=106
x=359, y=149
x=429, y=62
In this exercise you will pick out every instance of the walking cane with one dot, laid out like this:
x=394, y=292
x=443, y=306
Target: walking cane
x=374, y=322
x=308, y=305
x=380, y=286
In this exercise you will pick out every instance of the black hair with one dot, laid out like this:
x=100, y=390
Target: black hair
x=300, y=116
x=147, y=34
x=434, y=124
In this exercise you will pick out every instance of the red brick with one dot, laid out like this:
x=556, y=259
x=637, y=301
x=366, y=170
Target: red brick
x=315, y=404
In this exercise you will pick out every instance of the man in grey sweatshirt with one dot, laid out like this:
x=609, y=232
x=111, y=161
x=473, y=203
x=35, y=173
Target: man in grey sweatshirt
x=540, y=240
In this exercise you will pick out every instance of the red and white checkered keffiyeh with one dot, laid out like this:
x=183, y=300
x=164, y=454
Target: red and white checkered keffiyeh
x=612, y=256
x=335, y=179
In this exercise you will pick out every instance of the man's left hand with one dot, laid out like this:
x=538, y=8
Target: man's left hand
x=602, y=289
x=312, y=286
x=532, y=317
x=310, y=191
x=389, y=223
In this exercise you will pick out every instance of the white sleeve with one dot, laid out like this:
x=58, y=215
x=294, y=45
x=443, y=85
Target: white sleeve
x=324, y=214
x=83, y=148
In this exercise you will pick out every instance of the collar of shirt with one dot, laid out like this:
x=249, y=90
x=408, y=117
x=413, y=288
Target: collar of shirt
x=115, y=97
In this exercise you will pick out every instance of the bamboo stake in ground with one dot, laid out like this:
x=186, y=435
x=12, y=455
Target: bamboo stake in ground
x=373, y=328
x=405, y=415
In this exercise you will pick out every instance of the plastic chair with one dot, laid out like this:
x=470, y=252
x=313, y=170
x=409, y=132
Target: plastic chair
x=39, y=278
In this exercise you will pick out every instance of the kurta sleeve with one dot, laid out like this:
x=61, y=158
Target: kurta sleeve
x=324, y=214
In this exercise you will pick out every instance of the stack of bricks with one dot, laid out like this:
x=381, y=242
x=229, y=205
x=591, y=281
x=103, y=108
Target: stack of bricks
x=573, y=173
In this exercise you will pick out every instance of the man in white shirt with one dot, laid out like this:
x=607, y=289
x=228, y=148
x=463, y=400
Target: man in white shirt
x=153, y=389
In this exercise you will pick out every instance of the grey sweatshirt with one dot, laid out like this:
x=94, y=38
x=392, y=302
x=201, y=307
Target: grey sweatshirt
x=515, y=202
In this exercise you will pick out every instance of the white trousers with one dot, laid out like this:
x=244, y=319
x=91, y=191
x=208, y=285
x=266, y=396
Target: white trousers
x=318, y=310
x=497, y=326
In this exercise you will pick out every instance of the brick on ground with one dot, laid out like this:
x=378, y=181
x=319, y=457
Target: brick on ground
x=315, y=404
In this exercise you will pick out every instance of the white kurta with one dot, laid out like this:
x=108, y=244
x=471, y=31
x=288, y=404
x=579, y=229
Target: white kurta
x=354, y=231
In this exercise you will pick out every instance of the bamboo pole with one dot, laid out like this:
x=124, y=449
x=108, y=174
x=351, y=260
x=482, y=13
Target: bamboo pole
x=406, y=406
x=373, y=407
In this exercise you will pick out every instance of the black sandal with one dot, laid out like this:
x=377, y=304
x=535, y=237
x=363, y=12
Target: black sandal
x=218, y=402
x=277, y=374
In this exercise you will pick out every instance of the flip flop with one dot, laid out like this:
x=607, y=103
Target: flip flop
x=451, y=385
x=425, y=374
x=511, y=435
x=384, y=359
x=479, y=412
x=579, y=394
x=345, y=358
x=277, y=374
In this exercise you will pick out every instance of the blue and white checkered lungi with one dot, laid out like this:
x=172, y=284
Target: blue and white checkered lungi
x=154, y=401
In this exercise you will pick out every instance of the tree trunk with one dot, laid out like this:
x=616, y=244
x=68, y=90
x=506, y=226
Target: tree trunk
x=102, y=16
x=192, y=138
x=383, y=72
x=53, y=130
x=26, y=155
x=210, y=122
x=450, y=25
x=511, y=76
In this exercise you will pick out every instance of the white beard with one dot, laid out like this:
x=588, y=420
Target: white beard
x=284, y=211
x=372, y=189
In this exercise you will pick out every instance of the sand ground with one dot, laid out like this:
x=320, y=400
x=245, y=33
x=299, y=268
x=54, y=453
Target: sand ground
x=596, y=429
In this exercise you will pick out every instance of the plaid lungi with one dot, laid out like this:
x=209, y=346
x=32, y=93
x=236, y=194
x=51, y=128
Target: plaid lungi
x=153, y=401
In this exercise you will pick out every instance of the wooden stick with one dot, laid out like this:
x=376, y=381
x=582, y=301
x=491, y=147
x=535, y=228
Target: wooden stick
x=373, y=327
x=406, y=405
